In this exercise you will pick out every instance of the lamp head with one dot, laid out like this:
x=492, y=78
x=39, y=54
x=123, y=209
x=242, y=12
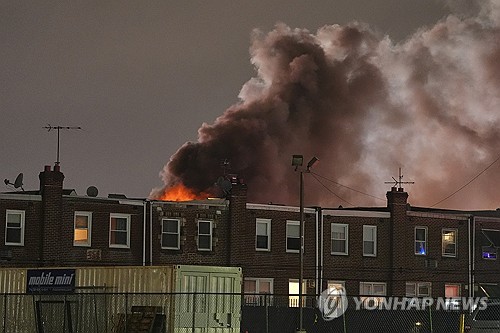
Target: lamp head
x=297, y=160
x=313, y=161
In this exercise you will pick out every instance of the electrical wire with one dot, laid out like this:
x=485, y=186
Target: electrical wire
x=470, y=181
x=347, y=187
x=326, y=187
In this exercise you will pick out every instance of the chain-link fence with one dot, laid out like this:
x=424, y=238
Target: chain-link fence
x=230, y=313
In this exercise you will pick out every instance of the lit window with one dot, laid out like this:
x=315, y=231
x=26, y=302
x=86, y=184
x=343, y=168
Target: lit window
x=205, y=235
x=293, y=292
x=421, y=240
x=489, y=252
x=119, y=230
x=170, y=234
x=418, y=289
x=292, y=236
x=340, y=233
x=452, y=295
x=14, y=227
x=263, y=234
x=449, y=240
x=261, y=288
x=370, y=240
x=82, y=229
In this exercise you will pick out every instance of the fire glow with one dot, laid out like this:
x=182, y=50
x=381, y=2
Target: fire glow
x=180, y=192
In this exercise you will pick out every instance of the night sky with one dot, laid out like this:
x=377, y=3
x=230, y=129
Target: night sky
x=141, y=78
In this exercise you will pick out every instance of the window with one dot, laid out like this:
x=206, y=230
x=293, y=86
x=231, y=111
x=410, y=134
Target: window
x=370, y=289
x=82, y=229
x=336, y=288
x=293, y=236
x=489, y=252
x=263, y=235
x=452, y=295
x=370, y=240
x=421, y=241
x=340, y=233
x=119, y=230
x=262, y=287
x=418, y=289
x=205, y=235
x=293, y=291
x=14, y=227
x=449, y=240
x=170, y=234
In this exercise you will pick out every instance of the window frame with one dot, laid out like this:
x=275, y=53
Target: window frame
x=128, y=219
x=374, y=229
x=346, y=239
x=164, y=233
x=267, y=222
x=292, y=223
x=443, y=248
x=376, y=298
x=22, y=226
x=416, y=289
x=88, y=215
x=210, y=235
x=425, y=241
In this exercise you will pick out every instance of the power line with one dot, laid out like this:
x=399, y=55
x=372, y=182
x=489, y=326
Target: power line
x=347, y=187
x=470, y=181
x=335, y=194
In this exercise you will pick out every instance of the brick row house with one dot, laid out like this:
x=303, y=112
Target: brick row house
x=397, y=250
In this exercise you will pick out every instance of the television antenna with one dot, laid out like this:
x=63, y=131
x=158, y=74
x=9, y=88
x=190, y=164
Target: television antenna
x=58, y=128
x=399, y=182
x=18, y=183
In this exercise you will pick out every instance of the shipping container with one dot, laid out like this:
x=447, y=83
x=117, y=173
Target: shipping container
x=178, y=298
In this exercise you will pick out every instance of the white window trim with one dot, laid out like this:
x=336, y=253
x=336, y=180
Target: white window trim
x=454, y=285
x=125, y=216
x=178, y=233
x=346, y=226
x=417, y=253
x=292, y=222
x=89, y=228
x=23, y=219
x=267, y=222
x=370, y=227
x=257, y=284
x=416, y=286
x=455, y=254
x=211, y=235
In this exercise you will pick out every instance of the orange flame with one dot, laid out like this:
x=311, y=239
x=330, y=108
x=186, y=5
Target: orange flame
x=180, y=192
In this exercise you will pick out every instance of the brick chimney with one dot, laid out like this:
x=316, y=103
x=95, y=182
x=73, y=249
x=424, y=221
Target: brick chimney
x=400, y=232
x=51, y=189
x=237, y=215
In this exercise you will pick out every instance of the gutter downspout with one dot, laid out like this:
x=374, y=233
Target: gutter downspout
x=322, y=250
x=144, y=217
x=473, y=253
x=151, y=233
x=317, y=253
x=469, y=254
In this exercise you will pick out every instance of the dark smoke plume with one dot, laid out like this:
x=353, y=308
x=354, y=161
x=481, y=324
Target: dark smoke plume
x=364, y=106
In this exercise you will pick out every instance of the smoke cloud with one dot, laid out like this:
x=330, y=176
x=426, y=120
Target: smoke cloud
x=365, y=106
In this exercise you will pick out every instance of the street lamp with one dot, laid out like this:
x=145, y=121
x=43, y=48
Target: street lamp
x=297, y=161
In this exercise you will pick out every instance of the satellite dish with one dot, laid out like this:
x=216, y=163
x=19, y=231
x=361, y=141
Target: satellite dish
x=18, y=183
x=92, y=191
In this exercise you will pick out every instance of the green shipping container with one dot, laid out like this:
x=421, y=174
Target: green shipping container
x=179, y=298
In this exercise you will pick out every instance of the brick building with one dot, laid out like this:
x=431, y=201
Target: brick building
x=393, y=250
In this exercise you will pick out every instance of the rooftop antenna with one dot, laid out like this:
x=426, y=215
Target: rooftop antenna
x=18, y=183
x=58, y=128
x=225, y=165
x=399, y=182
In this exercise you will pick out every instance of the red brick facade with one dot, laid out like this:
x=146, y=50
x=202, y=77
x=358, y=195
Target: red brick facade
x=390, y=259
